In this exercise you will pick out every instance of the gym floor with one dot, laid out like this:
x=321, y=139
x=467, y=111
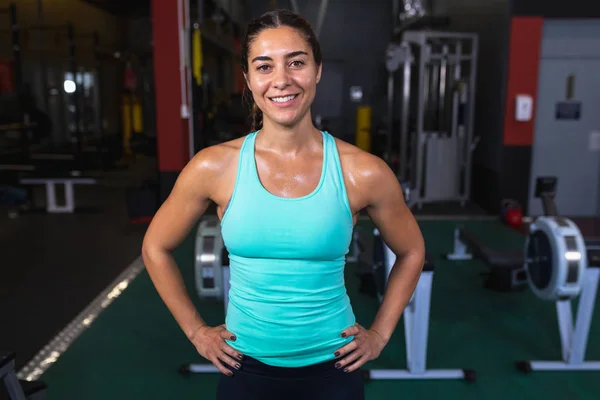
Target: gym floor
x=55, y=265
x=133, y=349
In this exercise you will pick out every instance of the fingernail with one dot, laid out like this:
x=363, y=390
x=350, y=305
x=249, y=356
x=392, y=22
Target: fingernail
x=232, y=337
x=337, y=354
x=337, y=365
x=241, y=357
x=238, y=366
x=343, y=334
x=345, y=369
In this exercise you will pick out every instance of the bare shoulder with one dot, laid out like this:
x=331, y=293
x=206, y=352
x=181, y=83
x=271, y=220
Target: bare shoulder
x=211, y=168
x=362, y=165
x=216, y=158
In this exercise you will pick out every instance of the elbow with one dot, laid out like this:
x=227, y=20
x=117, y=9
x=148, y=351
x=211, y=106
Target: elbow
x=422, y=254
x=147, y=252
x=418, y=255
x=151, y=252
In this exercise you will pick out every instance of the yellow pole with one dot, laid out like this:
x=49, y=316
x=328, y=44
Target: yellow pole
x=363, y=128
x=138, y=118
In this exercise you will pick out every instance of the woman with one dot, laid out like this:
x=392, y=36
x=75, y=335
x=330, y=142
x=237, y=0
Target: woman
x=288, y=196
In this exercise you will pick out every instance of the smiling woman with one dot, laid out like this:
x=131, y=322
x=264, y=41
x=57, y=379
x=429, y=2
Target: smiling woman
x=288, y=196
x=287, y=52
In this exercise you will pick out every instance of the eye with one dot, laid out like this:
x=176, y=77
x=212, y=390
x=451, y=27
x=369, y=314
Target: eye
x=262, y=68
x=297, y=63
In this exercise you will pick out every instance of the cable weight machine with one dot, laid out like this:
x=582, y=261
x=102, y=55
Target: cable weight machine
x=430, y=149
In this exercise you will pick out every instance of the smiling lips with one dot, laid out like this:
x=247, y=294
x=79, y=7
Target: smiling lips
x=283, y=101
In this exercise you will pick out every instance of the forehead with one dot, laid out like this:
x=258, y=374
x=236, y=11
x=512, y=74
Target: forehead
x=278, y=40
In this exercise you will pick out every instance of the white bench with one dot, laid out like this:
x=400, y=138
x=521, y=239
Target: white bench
x=51, y=182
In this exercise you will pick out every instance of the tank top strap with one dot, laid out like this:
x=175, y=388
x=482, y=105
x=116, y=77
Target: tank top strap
x=334, y=165
x=334, y=171
x=245, y=169
x=247, y=163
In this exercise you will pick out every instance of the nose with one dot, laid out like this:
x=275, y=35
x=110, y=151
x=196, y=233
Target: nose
x=281, y=80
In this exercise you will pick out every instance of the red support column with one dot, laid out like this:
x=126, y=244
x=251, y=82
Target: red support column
x=172, y=133
x=523, y=68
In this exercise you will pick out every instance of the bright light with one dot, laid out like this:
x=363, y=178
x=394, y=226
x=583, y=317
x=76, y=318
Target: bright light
x=205, y=258
x=69, y=86
x=573, y=256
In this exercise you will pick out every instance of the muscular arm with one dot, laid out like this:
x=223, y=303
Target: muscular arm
x=399, y=230
x=189, y=199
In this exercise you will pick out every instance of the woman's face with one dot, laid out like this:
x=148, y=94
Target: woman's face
x=282, y=75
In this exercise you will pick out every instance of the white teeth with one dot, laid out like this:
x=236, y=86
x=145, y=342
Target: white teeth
x=283, y=99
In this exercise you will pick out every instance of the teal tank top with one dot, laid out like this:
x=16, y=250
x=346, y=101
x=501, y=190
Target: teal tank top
x=287, y=301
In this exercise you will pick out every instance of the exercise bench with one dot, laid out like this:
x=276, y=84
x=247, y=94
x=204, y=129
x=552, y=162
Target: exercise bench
x=51, y=182
x=507, y=272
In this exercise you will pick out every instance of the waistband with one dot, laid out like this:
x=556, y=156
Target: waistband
x=253, y=366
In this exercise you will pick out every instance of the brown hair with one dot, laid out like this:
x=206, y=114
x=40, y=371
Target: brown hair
x=271, y=20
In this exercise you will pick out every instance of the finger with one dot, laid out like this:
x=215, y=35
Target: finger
x=227, y=359
x=356, y=365
x=223, y=369
x=349, y=359
x=225, y=334
x=352, y=331
x=346, y=349
x=231, y=351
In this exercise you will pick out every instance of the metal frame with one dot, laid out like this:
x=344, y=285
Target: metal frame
x=427, y=174
x=16, y=45
x=416, y=327
x=51, y=183
x=11, y=382
x=573, y=338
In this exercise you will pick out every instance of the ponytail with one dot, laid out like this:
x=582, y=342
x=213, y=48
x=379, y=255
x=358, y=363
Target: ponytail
x=257, y=118
x=256, y=115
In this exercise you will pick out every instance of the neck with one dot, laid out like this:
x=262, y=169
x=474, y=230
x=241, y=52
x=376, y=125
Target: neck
x=288, y=139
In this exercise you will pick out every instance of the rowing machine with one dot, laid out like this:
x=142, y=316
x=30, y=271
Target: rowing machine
x=211, y=267
x=560, y=267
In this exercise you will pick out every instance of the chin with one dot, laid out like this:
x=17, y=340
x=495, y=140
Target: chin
x=287, y=119
x=287, y=122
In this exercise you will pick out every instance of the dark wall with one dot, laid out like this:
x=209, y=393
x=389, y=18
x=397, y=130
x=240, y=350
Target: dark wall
x=139, y=42
x=44, y=55
x=556, y=8
x=353, y=40
x=490, y=19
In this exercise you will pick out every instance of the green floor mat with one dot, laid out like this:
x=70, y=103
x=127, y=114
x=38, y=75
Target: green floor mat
x=134, y=348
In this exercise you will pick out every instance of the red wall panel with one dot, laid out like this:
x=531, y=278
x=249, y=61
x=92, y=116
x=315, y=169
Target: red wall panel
x=171, y=129
x=523, y=67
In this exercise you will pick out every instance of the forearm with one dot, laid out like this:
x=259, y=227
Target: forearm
x=401, y=284
x=167, y=279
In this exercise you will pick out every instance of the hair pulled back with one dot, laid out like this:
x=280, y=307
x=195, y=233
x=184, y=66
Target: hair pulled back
x=271, y=20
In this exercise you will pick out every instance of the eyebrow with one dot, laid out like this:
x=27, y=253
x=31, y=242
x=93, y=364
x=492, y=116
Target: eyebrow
x=289, y=55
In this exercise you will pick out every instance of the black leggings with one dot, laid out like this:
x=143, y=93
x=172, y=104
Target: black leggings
x=258, y=381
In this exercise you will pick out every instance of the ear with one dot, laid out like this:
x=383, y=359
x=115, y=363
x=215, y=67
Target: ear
x=319, y=70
